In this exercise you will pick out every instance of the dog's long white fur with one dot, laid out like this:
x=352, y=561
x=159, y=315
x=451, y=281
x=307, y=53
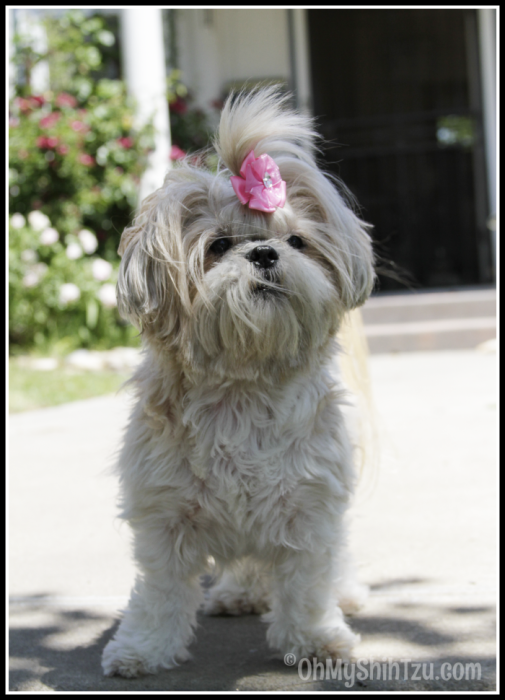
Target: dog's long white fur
x=236, y=450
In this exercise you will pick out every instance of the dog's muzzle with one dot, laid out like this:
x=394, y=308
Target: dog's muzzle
x=263, y=257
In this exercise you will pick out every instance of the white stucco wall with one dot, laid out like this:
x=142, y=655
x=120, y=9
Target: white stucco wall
x=217, y=47
x=198, y=55
x=253, y=43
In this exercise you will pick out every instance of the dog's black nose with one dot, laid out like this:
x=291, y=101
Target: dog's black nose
x=263, y=256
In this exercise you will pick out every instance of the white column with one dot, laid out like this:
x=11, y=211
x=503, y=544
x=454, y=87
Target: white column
x=487, y=49
x=28, y=23
x=144, y=68
x=302, y=59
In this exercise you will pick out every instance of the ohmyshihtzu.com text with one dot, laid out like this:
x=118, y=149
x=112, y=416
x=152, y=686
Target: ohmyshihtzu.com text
x=311, y=669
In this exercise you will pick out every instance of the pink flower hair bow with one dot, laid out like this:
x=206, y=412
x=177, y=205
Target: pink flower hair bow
x=260, y=184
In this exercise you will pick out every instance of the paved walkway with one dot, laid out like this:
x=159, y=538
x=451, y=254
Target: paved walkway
x=424, y=534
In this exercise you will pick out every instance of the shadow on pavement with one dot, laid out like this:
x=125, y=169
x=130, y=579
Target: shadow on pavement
x=59, y=648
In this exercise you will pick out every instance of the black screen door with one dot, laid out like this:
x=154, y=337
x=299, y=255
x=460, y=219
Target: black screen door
x=397, y=95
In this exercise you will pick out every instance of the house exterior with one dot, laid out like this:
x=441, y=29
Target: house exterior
x=404, y=98
x=406, y=101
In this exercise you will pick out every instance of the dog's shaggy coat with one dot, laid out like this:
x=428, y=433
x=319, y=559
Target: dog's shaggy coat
x=236, y=449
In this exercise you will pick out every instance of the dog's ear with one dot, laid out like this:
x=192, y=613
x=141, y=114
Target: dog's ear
x=151, y=282
x=353, y=257
x=341, y=237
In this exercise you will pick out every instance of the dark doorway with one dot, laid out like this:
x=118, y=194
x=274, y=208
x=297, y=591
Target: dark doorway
x=397, y=95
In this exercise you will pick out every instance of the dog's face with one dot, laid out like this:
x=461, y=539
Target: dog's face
x=233, y=291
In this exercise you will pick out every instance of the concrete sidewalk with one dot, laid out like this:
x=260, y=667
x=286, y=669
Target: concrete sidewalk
x=424, y=532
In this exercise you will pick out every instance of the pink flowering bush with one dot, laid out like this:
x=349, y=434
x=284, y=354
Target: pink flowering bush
x=75, y=161
x=61, y=291
x=74, y=152
x=79, y=163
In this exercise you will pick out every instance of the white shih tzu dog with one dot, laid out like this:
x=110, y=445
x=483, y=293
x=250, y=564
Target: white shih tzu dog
x=236, y=450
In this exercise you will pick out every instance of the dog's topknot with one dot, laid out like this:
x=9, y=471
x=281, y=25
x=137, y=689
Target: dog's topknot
x=261, y=120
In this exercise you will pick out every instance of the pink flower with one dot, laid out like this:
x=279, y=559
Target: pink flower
x=86, y=159
x=47, y=141
x=179, y=106
x=260, y=184
x=13, y=122
x=37, y=100
x=65, y=100
x=62, y=150
x=50, y=120
x=78, y=126
x=24, y=105
x=177, y=153
x=125, y=142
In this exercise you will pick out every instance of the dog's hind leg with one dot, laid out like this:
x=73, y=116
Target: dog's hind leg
x=242, y=589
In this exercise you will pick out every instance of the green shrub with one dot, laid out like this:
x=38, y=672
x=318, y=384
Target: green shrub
x=75, y=161
x=61, y=295
x=74, y=152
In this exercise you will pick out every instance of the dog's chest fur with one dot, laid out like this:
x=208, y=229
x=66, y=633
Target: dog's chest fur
x=252, y=444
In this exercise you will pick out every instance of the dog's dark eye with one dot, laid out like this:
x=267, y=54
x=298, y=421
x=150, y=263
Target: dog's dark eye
x=220, y=246
x=296, y=242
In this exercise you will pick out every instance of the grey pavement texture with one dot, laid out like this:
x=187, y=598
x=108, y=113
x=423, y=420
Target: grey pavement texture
x=423, y=533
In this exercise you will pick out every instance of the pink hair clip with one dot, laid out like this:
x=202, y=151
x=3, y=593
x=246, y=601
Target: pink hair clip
x=260, y=184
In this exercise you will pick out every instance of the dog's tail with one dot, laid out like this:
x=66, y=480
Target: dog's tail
x=353, y=362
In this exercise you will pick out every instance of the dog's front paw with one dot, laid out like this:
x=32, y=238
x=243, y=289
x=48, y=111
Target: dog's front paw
x=335, y=642
x=340, y=648
x=123, y=660
x=117, y=660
